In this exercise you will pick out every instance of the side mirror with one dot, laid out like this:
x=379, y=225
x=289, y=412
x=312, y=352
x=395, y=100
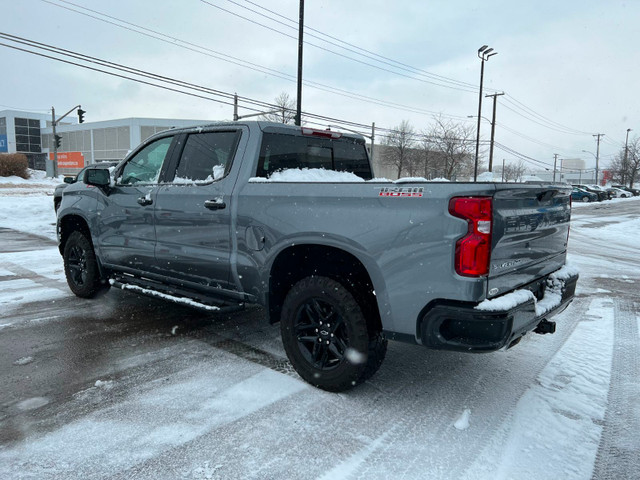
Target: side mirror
x=98, y=177
x=69, y=180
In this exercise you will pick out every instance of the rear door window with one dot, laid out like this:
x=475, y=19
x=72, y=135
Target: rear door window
x=206, y=156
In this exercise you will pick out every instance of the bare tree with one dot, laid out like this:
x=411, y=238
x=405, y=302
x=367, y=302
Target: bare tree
x=426, y=157
x=514, y=172
x=455, y=145
x=287, y=110
x=400, y=142
x=627, y=172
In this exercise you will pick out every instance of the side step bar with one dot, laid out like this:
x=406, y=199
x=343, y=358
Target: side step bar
x=175, y=294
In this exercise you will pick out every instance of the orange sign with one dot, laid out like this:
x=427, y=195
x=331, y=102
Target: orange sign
x=69, y=159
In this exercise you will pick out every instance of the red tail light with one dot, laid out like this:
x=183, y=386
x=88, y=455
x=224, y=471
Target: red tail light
x=473, y=251
x=320, y=133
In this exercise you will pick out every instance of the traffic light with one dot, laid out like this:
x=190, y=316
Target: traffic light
x=58, y=141
x=81, y=113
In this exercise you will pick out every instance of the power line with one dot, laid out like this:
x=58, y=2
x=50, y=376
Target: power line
x=26, y=109
x=236, y=61
x=414, y=69
x=460, y=88
x=282, y=75
x=532, y=112
x=354, y=48
x=522, y=156
x=528, y=112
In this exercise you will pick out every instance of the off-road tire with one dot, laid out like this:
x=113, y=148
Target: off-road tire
x=81, y=267
x=327, y=337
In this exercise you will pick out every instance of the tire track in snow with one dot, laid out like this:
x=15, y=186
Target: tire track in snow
x=415, y=445
x=618, y=454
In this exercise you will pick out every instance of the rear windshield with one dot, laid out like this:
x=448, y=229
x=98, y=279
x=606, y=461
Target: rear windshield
x=281, y=152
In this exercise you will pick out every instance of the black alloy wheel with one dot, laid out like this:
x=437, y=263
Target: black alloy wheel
x=322, y=335
x=327, y=337
x=81, y=266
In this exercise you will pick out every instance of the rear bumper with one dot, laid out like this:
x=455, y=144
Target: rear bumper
x=496, y=323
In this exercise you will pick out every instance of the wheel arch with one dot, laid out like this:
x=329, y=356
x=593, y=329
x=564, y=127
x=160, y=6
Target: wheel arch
x=69, y=224
x=296, y=262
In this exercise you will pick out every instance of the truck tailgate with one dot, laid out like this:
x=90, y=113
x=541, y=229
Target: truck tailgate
x=530, y=232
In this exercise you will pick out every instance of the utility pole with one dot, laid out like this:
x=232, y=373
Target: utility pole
x=624, y=163
x=493, y=128
x=298, y=120
x=55, y=143
x=598, y=135
x=373, y=136
x=503, y=169
x=235, y=107
x=555, y=160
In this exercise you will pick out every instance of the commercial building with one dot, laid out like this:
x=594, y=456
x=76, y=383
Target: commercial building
x=21, y=132
x=81, y=144
x=91, y=142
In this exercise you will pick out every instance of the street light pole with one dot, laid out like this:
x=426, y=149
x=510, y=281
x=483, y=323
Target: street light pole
x=484, y=53
x=298, y=119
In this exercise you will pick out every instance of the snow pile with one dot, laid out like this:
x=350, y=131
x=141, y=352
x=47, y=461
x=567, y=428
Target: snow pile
x=506, y=302
x=308, y=175
x=552, y=295
x=319, y=175
x=419, y=180
x=35, y=176
x=218, y=173
x=30, y=212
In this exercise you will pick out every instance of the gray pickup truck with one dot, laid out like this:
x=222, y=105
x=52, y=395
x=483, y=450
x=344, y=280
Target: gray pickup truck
x=291, y=218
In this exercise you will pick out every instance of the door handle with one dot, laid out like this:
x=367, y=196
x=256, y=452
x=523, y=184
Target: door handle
x=215, y=204
x=144, y=201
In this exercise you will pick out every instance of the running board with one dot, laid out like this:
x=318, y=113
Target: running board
x=175, y=294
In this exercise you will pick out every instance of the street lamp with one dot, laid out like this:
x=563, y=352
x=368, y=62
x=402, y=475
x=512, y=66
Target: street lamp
x=484, y=53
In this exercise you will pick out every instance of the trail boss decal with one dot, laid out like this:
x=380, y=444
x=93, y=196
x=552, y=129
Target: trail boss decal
x=401, y=192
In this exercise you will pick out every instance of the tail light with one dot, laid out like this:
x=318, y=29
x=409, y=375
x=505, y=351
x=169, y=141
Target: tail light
x=473, y=251
x=320, y=133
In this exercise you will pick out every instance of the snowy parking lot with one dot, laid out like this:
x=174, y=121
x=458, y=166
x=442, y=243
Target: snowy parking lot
x=131, y=387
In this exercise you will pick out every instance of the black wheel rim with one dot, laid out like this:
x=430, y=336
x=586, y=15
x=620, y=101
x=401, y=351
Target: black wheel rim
x=77, y=264
x=322, y=334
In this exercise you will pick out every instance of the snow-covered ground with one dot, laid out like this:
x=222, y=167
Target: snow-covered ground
x=553, y=407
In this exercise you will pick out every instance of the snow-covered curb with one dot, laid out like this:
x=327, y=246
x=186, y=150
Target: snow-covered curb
x=606, y=202
x=552, y=295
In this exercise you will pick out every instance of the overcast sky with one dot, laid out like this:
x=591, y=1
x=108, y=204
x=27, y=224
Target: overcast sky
x=569, y=68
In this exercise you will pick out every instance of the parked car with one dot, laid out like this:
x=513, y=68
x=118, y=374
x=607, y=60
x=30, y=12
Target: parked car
x=57, y=193
x=634, y=191
x=620, y=193
x=290, y=218
x=601, y=194
x=607, y=191
x=580, y=195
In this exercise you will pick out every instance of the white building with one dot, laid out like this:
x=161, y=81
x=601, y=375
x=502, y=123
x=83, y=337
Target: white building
x=20, y=132
x=91, y=142
x=80, y=144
